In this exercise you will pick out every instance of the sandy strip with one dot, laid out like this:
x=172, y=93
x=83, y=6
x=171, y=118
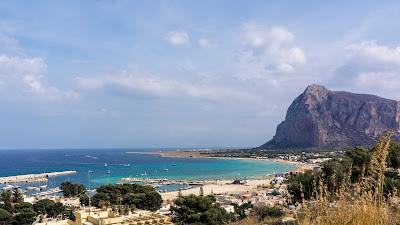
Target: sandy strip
x=221, y=187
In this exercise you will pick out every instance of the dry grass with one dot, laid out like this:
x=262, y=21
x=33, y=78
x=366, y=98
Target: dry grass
x=360, y=204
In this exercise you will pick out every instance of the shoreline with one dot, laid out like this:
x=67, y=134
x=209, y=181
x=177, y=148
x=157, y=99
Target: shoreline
x=300, y=166
x=219, y=187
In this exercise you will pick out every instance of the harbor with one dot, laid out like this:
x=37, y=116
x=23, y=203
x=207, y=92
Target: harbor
x=31, y=178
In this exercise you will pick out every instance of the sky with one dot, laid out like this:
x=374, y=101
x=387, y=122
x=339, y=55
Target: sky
x=212, y=73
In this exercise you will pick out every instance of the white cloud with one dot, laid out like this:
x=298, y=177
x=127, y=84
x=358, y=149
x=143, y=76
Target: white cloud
x=22, y=78
x=370, y=50
x=177, y=37
x=369, y=67
x=140, y=85
x=268, y=51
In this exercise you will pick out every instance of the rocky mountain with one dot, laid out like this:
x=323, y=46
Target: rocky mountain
x=321, y=118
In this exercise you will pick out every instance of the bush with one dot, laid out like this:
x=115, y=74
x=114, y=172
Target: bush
x=194, y=209
x=263, y=212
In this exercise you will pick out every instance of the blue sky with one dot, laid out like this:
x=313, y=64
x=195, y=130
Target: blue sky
x=81, y=74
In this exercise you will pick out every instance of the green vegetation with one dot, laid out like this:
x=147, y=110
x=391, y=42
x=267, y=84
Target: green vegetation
x=265, y=212
x=5, y=216
x=15, y=212
x=240, y=210
x=358, y=189
x=72, y=190
x=199, y=210
x=131, y=195
x=356, y=163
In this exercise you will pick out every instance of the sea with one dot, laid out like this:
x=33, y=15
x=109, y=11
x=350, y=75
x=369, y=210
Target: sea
x=97, y=167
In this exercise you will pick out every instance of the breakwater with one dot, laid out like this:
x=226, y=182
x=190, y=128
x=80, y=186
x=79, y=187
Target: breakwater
x=29, y=178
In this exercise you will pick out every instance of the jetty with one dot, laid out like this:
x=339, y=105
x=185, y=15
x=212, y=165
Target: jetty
x=29, y=178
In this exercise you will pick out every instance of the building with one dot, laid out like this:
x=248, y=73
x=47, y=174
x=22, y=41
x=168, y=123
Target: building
x=106, y=217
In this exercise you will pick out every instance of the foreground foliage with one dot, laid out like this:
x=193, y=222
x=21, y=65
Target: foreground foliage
x=360, y=197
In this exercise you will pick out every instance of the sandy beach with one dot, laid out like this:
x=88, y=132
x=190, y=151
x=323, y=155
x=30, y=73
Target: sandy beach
x=219, y=187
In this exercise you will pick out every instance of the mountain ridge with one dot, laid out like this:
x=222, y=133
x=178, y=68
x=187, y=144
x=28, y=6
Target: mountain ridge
x=322, y=118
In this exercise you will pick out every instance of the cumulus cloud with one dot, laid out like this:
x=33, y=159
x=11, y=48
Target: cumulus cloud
x=139, y=85
x=371, y=51
x=22, y=77
x=177, y=37
x=371, y=68
x=269, y=51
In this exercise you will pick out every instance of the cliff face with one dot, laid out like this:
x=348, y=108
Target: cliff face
x=320, y=118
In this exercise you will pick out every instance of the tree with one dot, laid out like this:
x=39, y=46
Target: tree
x=152, y=201
x=72, y=190
x=25, y=217
x=23, y=205
x=5, y=216
x=394, y=155
x=360, y=158
x=6, y=197
x=301, y=185
x=84, y=199
x=17, y=196
x=133, y=195
x=194, y=209
x=44, y=206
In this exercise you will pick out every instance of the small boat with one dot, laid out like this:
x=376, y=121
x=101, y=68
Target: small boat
x=8, y=187
x=145, y=173
x=165, y=169
x=90, y=157
x=105, y=164
x=127, y=164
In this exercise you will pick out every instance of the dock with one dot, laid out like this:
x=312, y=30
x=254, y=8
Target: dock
x=29, y=178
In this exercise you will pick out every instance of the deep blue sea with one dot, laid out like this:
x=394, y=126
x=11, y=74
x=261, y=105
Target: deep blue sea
x=121, y=164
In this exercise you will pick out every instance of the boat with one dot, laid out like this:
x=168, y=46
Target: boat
x=91, y=157
x=105, y=164
x=165, y=169
x=127, y=164
x=145, y=173
x=8, y=187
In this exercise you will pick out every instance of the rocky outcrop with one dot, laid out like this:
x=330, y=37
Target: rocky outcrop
x=321, y=118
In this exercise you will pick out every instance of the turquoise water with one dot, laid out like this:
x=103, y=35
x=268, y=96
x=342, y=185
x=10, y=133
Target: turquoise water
x=110, y=165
